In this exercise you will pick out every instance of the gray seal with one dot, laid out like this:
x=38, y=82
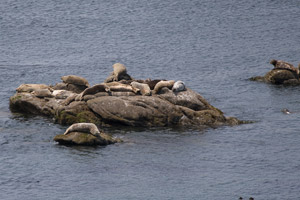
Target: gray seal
x=83, y=127
x=178, y=86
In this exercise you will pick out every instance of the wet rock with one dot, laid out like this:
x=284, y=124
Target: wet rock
x=86, y=134
x=283, y=73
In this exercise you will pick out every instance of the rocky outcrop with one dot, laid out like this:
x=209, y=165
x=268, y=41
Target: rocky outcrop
x=278, y=77
x=282, y=74
x=114, y=103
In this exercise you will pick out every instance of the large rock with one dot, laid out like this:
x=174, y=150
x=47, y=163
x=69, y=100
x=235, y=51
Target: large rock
x=168, y=108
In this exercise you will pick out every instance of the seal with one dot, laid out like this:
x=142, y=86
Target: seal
x=152, y=83
x=70, y=99
x=95, y=89
x=119, y=70
x=161, y=84
x=178, y=86
x=119, y=87
x=144, y=88
x=83, y=127
x=31, y=87
x=286, y=111
x=119, y=73
x=41, y=93
x=76, y=80
x=61, y=94
x=279, y=64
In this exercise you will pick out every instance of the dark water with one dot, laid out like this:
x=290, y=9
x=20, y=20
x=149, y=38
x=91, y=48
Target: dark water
x=213, y=46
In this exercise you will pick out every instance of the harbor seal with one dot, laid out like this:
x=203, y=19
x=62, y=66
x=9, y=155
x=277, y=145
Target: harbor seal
x=279, y=64
x=119, y=70
x=83, y=127
x=31, y=87
x=178, y=86
x=144, y=88
x=161, y=84
x=41, y=93
x=61, y=94
x=152, y=83
x=119, y=87
x=95, y=89
x=76, y=80
x=286, y=111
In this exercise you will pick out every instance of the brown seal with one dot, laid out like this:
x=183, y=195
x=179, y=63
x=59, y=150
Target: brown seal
x=279, y=64
x=76, y=80
x=152, y=83
x=95, y=89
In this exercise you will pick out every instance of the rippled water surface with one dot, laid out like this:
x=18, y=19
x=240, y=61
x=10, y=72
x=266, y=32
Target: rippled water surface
x=213, y=46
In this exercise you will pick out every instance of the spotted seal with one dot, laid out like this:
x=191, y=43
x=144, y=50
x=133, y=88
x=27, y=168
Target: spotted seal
x=161, y=84
x=178, y=86
x=83, y=127
x=144, y=88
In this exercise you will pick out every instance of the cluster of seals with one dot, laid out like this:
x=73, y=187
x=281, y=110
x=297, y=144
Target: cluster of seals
x=72, y=83
x=89, y=128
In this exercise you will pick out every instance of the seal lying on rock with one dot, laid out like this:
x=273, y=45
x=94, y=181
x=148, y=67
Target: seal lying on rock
x=282, y=73
x=41, y=93
x=61, y=94
x=31, y=87
x=76, y=80
x=119, y=87
x=178, y=86
x=161, y=84
x=95, y=89
x=152, y=83
x=83, y=127
x=279, y=64
x=144, y=88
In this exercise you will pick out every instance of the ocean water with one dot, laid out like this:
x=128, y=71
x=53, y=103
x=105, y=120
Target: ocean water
x=213, y=46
